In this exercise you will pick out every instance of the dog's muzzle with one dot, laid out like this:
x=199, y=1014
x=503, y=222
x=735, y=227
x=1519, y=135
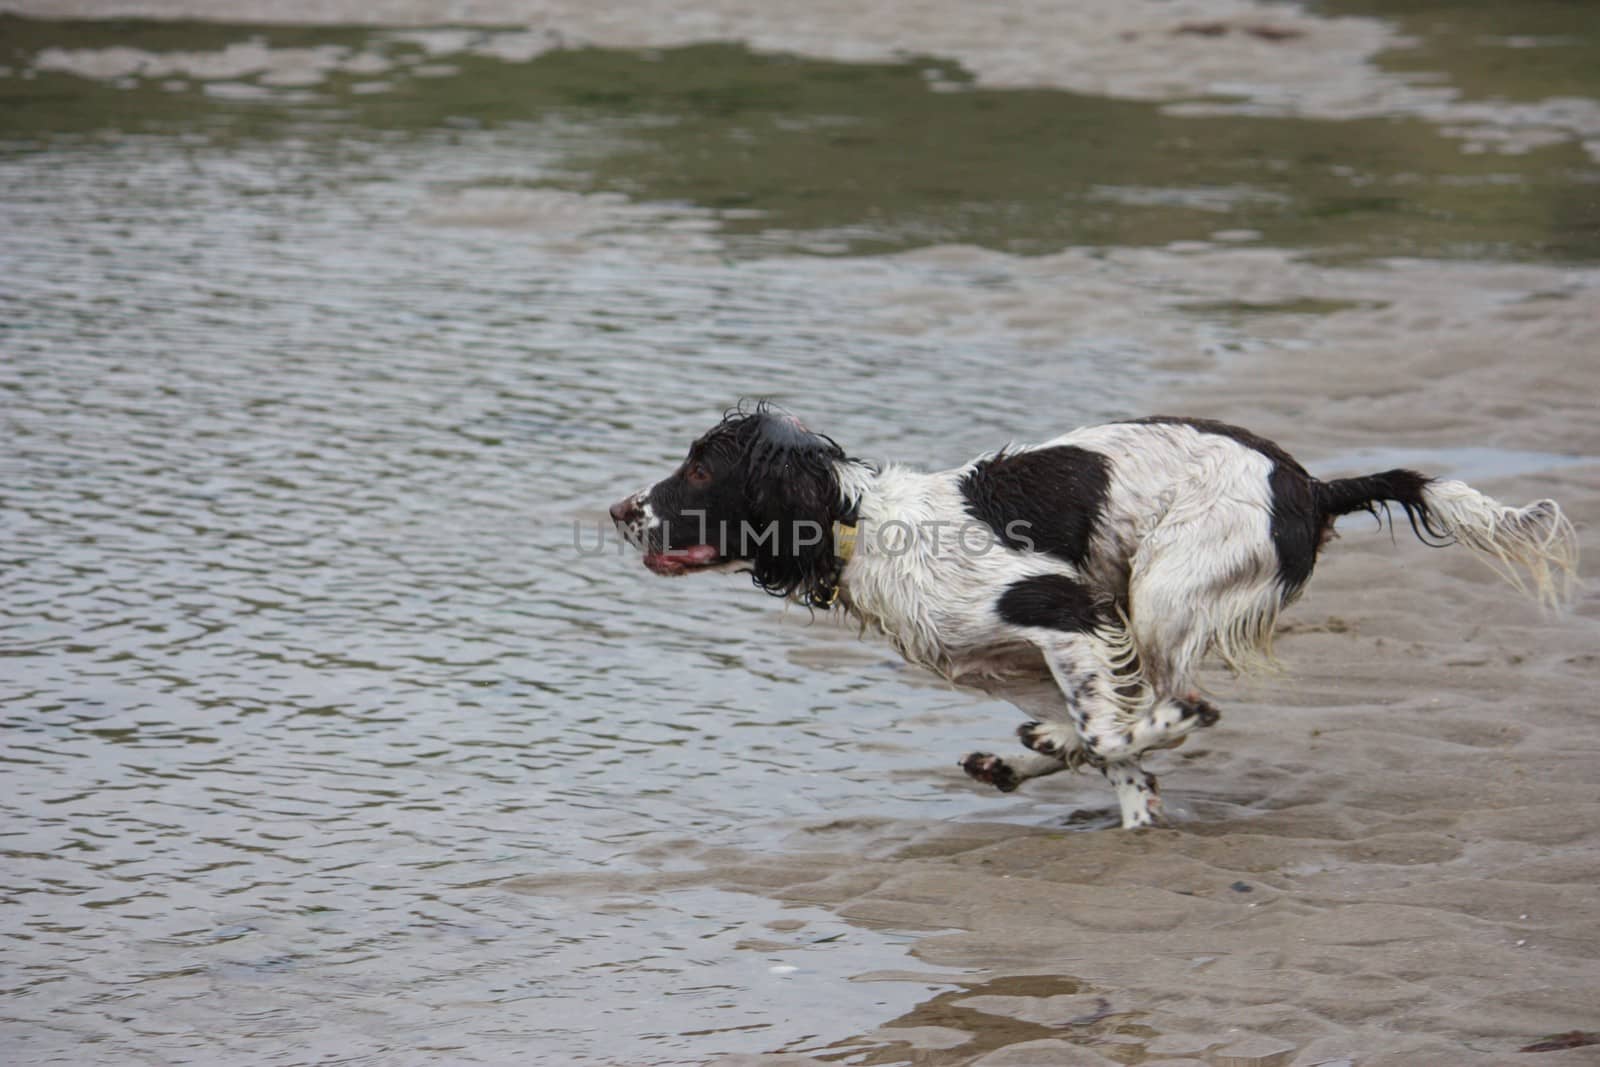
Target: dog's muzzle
x=630, y=518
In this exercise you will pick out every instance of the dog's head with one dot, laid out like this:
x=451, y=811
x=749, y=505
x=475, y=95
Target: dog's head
x=758, y=492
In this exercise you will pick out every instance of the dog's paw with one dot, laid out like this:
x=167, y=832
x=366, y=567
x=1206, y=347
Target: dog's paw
x=1040, y=738
x=1057, y=740
x=1194, y=705
x=1150, y=813
x=985, y=767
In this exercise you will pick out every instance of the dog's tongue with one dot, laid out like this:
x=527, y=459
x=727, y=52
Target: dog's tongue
x=676, y=559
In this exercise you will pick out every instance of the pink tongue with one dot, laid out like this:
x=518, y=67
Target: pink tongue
x=693, y=554
x=680, y=557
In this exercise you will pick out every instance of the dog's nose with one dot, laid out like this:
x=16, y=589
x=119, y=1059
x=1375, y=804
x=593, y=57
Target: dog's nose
x=625, y=510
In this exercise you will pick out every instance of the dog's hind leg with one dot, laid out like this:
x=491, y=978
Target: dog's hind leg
x=1169, y=722
x=1206, y=579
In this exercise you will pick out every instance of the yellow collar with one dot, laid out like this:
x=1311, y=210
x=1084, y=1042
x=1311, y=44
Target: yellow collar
x=844, y=541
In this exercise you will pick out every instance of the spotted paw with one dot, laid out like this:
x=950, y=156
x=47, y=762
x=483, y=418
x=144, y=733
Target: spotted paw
x=1056, y=740
x=1042, y=739
x=1194, y=705
x=991, y=769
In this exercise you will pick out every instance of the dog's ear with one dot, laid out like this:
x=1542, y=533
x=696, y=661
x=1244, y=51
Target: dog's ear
x=793, y=482
x=792, y=470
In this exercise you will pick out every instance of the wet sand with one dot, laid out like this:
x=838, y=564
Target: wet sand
x=1387, y=854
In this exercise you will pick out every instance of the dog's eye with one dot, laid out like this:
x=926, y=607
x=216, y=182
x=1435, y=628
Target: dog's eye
x=698, y=474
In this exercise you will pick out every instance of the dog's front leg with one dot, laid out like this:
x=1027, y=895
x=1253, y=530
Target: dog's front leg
x=1110, y=709
x=1052, y=741
x=1008, y=773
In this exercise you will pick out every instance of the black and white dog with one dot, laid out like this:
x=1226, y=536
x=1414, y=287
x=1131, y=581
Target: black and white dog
x=1083, y=579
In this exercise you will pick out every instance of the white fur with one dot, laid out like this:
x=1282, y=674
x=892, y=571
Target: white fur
x=1537, y=538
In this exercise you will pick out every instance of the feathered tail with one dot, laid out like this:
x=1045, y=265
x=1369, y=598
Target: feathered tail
x=1534, y=548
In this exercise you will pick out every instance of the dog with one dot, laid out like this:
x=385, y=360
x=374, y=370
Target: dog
x=1083, y=579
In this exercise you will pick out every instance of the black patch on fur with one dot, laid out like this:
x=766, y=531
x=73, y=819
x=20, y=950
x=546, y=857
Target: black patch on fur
x=1344, y=495
x=1044, y=500
x=1298, y=526
x=1052, y=601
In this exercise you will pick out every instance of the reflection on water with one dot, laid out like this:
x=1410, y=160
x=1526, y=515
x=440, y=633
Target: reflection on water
x=314, y=357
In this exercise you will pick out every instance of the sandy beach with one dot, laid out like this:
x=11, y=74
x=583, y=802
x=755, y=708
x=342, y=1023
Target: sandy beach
x=1387, y=854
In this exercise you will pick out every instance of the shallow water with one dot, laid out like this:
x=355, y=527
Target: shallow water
x=318, y=375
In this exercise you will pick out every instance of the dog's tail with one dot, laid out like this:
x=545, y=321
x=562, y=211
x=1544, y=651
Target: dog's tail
x=1534, y=548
